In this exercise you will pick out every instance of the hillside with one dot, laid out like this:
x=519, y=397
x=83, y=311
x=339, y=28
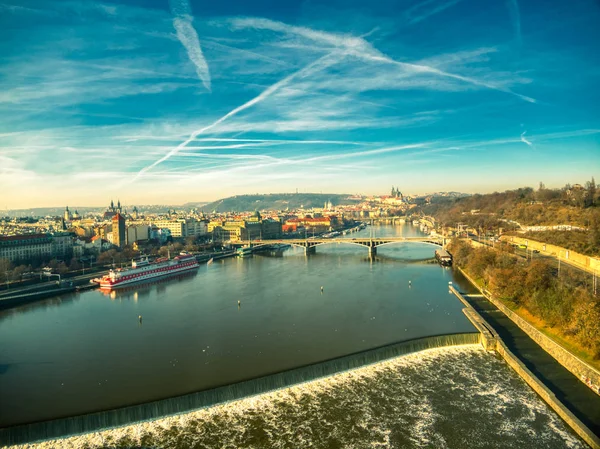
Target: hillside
x=276, y=201
x=574, y=205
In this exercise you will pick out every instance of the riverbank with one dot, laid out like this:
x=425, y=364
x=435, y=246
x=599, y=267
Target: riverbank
x=561, y=303
x=578, y=405
x=31, y=294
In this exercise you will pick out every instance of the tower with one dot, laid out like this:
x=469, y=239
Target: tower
x=393, y=191
x=118, y=229
x=119, y=206
x=112, y=206
x=67, y=214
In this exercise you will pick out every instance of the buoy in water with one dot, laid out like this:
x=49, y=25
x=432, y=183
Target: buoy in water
x=321, y=289
x=239, y=303
x=140, y=318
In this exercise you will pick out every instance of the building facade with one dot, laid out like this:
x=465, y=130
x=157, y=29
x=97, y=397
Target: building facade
x=251, y=229
x=137, y=233
x=22, y=248
x=182, y=227
x=62, y=245
x=119, y=237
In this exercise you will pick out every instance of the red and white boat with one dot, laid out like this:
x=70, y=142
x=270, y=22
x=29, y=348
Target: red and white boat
x=144, y=270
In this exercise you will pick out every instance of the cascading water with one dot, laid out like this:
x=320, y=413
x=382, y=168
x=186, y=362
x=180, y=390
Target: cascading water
x=112, y=418
x=452, y=396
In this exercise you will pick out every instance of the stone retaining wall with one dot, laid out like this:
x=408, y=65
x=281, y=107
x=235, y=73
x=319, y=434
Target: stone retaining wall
x=491, y=341
x=584, y=372
x=586, y=434
x=590, y=264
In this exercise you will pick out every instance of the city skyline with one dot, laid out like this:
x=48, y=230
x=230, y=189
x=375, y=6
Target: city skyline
x=162, y=102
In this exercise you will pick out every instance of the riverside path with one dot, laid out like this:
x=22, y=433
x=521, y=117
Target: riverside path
x=578, y=398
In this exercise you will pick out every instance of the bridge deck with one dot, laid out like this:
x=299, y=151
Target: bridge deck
x=375, y=241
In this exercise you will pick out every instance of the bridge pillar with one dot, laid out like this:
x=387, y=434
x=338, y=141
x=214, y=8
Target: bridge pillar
x=310, y=250
x=372, y=251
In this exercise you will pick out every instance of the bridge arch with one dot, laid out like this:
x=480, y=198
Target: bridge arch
x=341, y=241
x=423, y=242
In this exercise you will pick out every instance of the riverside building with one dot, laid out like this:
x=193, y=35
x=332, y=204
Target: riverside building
x=28, y=247
x=182, y=227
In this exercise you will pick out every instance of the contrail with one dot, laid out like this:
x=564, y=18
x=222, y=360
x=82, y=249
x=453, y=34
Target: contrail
x=263, y=95
x=182, y=21
x=524, y=140
x=515, y=16
x=433, y=70
x=356, y=46
x=431, y=12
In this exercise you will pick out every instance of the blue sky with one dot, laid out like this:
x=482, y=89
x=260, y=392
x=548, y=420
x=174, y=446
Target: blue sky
x=169, y=101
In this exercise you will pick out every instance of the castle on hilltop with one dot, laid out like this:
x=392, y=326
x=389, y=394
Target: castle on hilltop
x=396, y=193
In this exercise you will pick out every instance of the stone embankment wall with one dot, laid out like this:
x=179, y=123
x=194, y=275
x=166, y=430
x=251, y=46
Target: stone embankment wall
x=587, y=263
x=581, y=429
x=491, y=341
x=584, y=372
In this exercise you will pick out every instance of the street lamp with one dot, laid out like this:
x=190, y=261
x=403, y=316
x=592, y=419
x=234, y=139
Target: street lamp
x=559, y=262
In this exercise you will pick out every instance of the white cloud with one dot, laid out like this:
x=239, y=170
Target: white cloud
x=182, y=22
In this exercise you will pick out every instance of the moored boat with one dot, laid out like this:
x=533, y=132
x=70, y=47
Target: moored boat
x=144, y=270
x=443, y=257
x=244, y=252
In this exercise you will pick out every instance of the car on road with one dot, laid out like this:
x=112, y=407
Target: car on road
x=536, y=251
x=523, y=246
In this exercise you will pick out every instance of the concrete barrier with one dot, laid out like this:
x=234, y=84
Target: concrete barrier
x=19, y=300
x=584, y=372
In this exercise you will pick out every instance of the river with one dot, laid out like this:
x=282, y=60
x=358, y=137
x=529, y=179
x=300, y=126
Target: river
x=88, y=352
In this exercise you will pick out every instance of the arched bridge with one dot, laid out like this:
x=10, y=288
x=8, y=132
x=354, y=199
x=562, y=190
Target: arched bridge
x=371, y=243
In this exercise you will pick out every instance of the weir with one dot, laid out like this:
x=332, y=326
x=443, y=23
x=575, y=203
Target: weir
x=143, y=412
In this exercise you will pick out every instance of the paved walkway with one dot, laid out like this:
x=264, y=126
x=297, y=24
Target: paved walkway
x=579, y=399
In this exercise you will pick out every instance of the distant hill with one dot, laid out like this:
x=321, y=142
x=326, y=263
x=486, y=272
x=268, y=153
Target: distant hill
x=571, y=205
x=448, y=194
x=46, y=211
x=59, y=211
x=277, y=201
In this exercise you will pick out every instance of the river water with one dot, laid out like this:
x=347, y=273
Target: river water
x=88, y=352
